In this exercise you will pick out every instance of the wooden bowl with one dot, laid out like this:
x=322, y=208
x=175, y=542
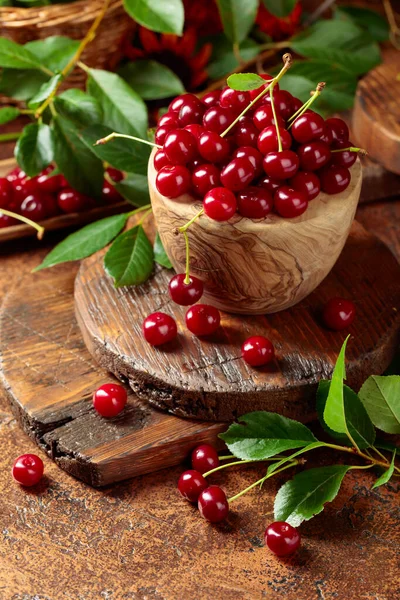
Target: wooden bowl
x=257, y=266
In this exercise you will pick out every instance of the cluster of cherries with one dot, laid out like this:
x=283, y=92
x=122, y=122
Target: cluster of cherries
x=46, y=195
x=243, y=169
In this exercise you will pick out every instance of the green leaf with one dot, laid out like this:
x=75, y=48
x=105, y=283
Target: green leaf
x=34, y=148
x=376, y=25
x=385, y=445
x=245, y=81
x=223, y=59
x=280, y=8
x=79, y=107
x=82, y=169
x=151, y=80
x=129, y=261
x=44, y=92
x=334, y=415
x=358, y=422
x=157, y=15
x=14, y=56
x=86, y=241
x=384, y=478
x=260, y=435
x=134, y=188
x=124, y=111
x=54, y=52
x=160, y=256
x=304, y=496
x=21, y=84
x=237, y=18
x=381, y=398
x=8, y=113
x=120, y=153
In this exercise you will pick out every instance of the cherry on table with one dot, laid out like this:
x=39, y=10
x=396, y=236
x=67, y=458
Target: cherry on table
x=218, y=118
x=213, y=504
x=110, y=194
x=213, y=147
x=202, y=319
x=257, y=351
x=309, y=126
x=306, y=182
x=159, y=328
x=268, y=140
x=281, y=165
x=114, y=174
x=254, y=202
x=34, y=207
x=71, y=201
x=6, y=192
x=282, y=539
x=290, y=203
x=28, y=469
x=237, y=174
x=17, y=174
x=180, y=146
x=334, y=179
x=110, y=399
x=205, y=458
x=173, y=181
x=313, y=155
x=220, y=204
x=339, y=313
x=190, y=485
x=185, y=294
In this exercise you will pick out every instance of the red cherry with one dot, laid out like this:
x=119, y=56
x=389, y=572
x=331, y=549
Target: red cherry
x=327, y=136
x=281, y=165
x=180, y=101
x=195, y=129
x=218, y=118
x=51, y=205
x=268, y=78
x=7, y=221
x=173, y=181
x=296, y=104
x=24, y=188
x=191, y=484
x=236, y=101
x=213, y=504
x=257, y=351
x=6, y=192
x=48, y=183
x=252, y=155
x=282, y=102
x=170, y=120
x=339, y=313
x=34, y=207
x=345, y=158
x=159, y=328
x=114, y=174
x=268, y=140
x=204, y=458
x=71, y=201
x=313, y=155
x=183, y=293
x=237, y=174
x=192, y=111
x=307, y=183
x=110, y=399
x=161, y=134
x=202, y=319
x=264, y=117
x=161, y=160
x=219, y=204
x=270, y=184
x=180, y=146
x=334, y=179
x=254, y=203
x=213, y=147
x=337, y=128
x=290, y=203
x=246, y=133
x=204, y=178
x=15, y=175
x=211, y=98
x=110, y=194
x=282, y=539
x=309, y=126
x=28, y=469
x=64, y=183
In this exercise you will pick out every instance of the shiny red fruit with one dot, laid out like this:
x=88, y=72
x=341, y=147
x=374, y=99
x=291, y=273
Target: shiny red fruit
x=258, y=351
x=290, y=203
x=191, y=484
x=218, y=119
x=71, y=201
x=204, y=178
x=281, y=165
x=296, y=105
x=159, y=328
x=219, y=204
x=268, y=78
x=161, y=133
x=205, y=458
x=213, y=147
x=173, y=181
x=344, y=158
x=48, y=183
x=282, y=539
x=15, y=175
x=337, y=128
x=161, y=160
x=191, y=111
x=195, y=129
x=184, y=293
x=110, y=194
x=282, y=102
x=213, y=504
x=180, y=101
x=170, y=120
x=246, y=133
x=234, y=100
x=270, y=184
x=254, y=203
x=313, y=155
x=306, y=182
x=211, y=98
x=6, y=192
x=114, y=174
x=202, y=319
x=268, y=140
x=110, y=399
x=309, y=126
x=7, y=221
x=28, y=469
x=253, y=155
x=339, y=313
x=34, y=207
x=180, y=146
x=237, y=174
x=264, y=117
x=334, y=179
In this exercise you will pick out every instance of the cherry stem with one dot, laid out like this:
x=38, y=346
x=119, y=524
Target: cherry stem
x=187, y=269
x=261, y=481
x=287, y=59
x=39, y=228
x=188, y=224
x=114, y=135
x=307, y=104
x=137, y=210
x=278, y=135
x=240, y=462
x=352, y=149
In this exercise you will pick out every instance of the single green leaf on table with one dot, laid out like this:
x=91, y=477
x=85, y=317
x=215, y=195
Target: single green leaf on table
x=82, y=169
x=151, y=80
x=334, y=414
x=123, y=109
x=237, y=18
x=381, y=398
x=223, y=59
x=46, y=89
x=358, y=422
x=21, y=84
x=86, y=241
x=260, y=435
x=158, y=15
x=134, y=188
x=129, y=261
x=54, y=52
x=280, y=8
x=8, y=113
x=376, y=25
x=160, y=256
x=304, y=496
x=34, y=148
x=386, y=476
x=14, y=56
x=245, y=81
x=120, y=153
x=79, y=107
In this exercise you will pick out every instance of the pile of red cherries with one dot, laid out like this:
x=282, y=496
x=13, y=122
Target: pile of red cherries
x=243, y=171
x=46, y=195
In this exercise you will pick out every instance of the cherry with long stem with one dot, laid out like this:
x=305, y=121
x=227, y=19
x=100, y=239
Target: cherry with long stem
x=307, y=104
x=39, y=228
x=114, y=135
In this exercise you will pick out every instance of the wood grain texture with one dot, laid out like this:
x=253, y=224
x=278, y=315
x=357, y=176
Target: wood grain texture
x=206, y=378
x=258, y=266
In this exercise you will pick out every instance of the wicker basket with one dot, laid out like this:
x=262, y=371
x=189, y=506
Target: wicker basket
x=72, y=20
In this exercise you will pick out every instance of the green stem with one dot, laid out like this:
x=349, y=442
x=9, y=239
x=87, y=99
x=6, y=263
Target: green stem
x=134, y=212
x=188, y=224
x=114, y=135
x=307, y=104
x=146, y=214
x=187, y=270
x=240, y=462
x=351, y=149
x=278, y=135
x=227, y=457
x=39, y=228
x=9, y=137
x=357, y=452
x=260, y=481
